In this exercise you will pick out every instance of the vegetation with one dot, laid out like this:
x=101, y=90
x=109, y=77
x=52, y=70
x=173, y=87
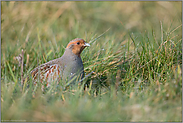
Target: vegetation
x=135, y=56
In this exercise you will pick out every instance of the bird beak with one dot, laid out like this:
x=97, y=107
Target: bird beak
x=86, y=44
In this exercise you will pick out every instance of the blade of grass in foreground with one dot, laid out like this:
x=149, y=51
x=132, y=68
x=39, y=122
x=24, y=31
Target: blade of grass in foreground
x=14, y=79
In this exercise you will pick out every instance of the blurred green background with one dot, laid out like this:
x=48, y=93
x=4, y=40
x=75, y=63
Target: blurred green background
x=146, y=34
x=67, y=20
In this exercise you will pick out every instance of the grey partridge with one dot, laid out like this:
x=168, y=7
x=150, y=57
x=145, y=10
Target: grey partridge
x=69, y=67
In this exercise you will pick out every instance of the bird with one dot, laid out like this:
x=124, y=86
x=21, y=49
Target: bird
x=67, y=68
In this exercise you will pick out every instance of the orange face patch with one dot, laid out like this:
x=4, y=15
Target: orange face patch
x=77, y=41
x=77, y=46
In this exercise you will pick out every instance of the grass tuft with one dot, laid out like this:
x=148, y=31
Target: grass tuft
x=132, y=68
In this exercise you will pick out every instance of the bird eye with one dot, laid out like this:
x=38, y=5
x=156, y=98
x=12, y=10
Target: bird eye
x=78, y=43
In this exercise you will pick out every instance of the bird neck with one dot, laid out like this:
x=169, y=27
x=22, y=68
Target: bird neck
x=68, y=52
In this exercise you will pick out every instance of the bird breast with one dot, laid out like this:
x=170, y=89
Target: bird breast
x=72, y=67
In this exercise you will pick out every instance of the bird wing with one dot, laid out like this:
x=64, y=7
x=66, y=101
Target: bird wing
x=46, y=72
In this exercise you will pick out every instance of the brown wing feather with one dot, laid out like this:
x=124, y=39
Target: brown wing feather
x=47, y=72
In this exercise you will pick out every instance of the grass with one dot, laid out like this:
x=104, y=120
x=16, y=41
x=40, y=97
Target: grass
x=135, y=56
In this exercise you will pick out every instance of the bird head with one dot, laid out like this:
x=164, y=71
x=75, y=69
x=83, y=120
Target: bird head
x=77, y=46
